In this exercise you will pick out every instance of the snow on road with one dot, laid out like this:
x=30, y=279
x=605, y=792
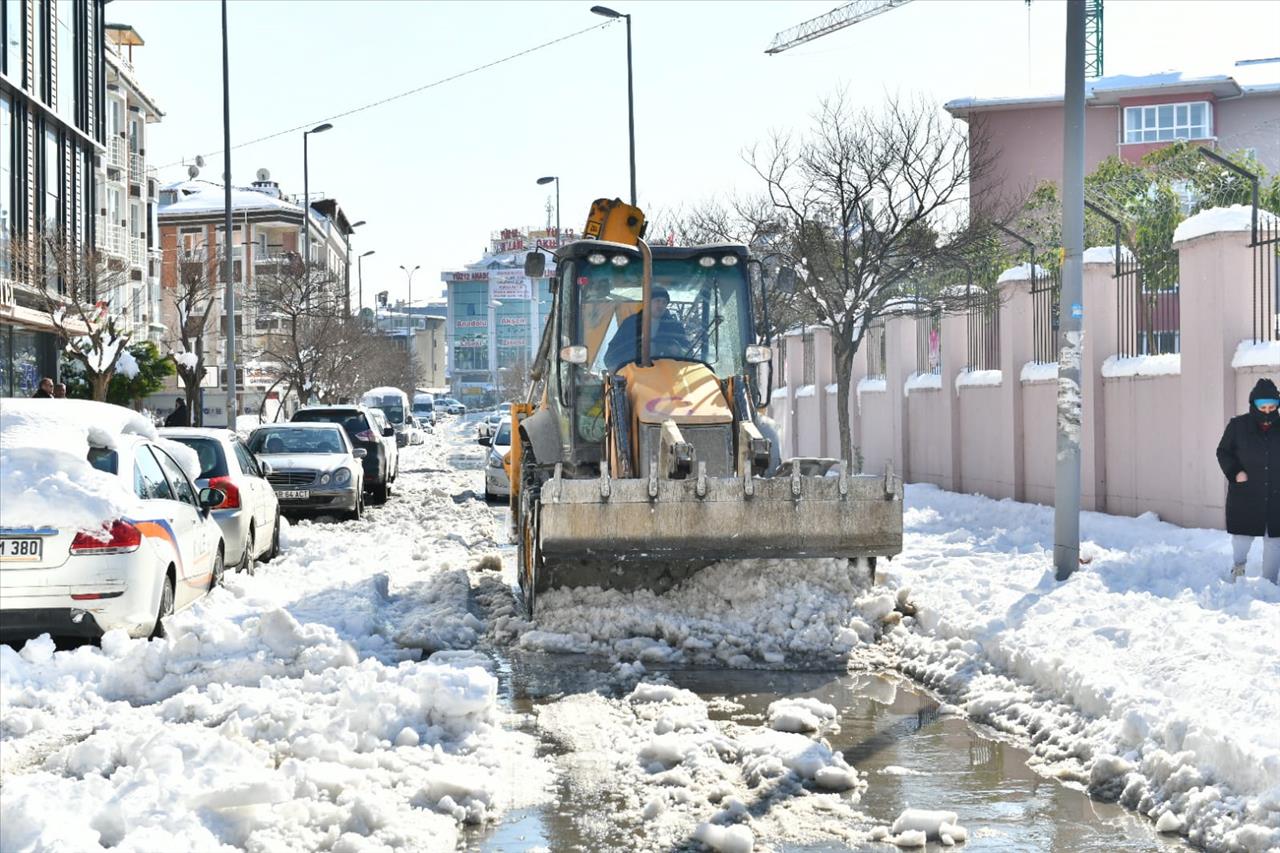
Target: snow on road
x=288, y=711
x=292, y=711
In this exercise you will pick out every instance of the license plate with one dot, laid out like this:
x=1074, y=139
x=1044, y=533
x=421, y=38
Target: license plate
x=293, y=494
x=21, y=550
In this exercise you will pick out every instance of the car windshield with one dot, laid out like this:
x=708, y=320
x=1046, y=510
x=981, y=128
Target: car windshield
x=212, y=463
x=392, y=407
x=706, y=317
x=293, y=440
x=352, y=421
x=504, y=435
x=422, y=408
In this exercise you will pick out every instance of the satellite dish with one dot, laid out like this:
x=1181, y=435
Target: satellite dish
x=264, y=175
x=200, y=161
x=192, y=171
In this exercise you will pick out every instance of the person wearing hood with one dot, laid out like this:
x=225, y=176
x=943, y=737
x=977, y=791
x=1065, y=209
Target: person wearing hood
x=1249, y=449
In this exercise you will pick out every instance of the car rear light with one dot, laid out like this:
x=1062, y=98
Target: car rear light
x=366, y=435
x=232, y=499
x=121, y=539
x=95, y=596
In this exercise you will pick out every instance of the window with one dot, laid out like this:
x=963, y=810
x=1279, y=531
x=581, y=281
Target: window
x=148, y=479
x=181, y=485
x=1166, y=122
x=51, y=178
x=6, y=178
x=13, y=29
x=66, y=48
x=212, y=462
x=248, y=464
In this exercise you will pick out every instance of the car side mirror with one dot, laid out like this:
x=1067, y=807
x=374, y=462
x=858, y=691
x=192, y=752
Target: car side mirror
x=485, y=440
x=265, y=467
x=359, y=453
x=389, y=431
x=535, y=265
x=210, y=498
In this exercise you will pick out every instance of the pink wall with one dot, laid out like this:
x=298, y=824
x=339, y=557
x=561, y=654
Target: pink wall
x=1040, y=440
x=877, y=431
x=1252, y=122
x=930, y=460
x=984, y=440
x=1144, y=434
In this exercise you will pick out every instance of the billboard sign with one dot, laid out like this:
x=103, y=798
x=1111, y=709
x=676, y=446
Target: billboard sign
x=508, y=284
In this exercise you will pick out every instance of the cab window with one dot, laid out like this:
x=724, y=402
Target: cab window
x=177, y=479
x=148, y=478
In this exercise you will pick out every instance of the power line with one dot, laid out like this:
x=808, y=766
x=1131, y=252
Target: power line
x=387, y=100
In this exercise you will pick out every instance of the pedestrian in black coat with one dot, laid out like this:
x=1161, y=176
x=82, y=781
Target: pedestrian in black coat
x=45, y=390
x=179, y=417
x=1248, y=453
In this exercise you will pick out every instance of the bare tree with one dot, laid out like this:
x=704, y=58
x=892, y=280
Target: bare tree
x=513, y=377
x=87, y=297
x=870, y=202
x=194, y=296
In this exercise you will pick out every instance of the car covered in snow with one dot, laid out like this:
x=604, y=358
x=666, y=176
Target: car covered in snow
x=249, y=515
x=101, y=524
x=314, y=467
x=496, y=482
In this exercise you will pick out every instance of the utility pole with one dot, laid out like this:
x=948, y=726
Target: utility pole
x=228, y=269
x=1066, y=504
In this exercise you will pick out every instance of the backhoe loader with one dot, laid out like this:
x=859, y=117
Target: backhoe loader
x=642, y=452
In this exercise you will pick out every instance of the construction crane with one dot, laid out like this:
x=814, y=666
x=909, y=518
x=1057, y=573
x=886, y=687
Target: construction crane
x=860, y=10
x=836, y=19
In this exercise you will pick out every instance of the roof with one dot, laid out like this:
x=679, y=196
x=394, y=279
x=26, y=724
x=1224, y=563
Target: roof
x=1249, y=77
x=198, y=197
x=578, y=248
x=123, y=34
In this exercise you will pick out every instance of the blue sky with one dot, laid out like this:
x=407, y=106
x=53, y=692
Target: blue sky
x=435, y=173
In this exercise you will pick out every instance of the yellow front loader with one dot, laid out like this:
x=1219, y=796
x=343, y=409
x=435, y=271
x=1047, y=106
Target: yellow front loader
x=643, y=452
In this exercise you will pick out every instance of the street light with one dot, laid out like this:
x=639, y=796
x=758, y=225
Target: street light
x=306, y=202
x=606, y=12
x=360, y=279
x=547, y=180
x=347, y=273
x=409, y=275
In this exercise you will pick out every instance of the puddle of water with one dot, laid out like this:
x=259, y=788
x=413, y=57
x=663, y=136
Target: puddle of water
x=885, y=724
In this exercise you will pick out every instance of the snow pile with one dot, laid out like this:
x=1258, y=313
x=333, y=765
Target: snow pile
x=1116, y=367
x=1022, y=272
x=682, y=774
x=801, y=715
x=127, y=365
x=739, y=614
x=917, y=827
x=1251, y=353
x=1145, y=677
x=978, y=379
x=923, y=382
x=1039, y=371
x=1217, y=220
x=45, y=476
x=1105, y=254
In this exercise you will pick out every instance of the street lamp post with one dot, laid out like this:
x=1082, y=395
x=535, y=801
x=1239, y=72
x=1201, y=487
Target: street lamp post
x=306, y=202
x=360, y=280
x=605, y=11
x=409, y=275
x=547, y=180
x=347, y=273
x=230, y=297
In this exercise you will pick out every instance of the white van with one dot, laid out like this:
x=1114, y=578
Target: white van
x=393, y=403
x=424, y=408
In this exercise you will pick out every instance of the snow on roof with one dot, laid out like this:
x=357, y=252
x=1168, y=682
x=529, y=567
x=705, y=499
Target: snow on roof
x=45, y=477
x=207, y=196
x=1250, y=78
x=1217, y=220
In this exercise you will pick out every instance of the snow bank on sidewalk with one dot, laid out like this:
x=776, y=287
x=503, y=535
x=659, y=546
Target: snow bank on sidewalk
x=738, y=614
x=1145, y=677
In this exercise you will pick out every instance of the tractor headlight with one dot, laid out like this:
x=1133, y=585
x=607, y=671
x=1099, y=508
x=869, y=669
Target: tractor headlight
x=596, y=258
x=729, y=260
x=706, y=261
x=341, y=477
x=619, y=260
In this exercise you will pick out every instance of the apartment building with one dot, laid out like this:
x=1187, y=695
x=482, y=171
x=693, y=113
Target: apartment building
x=421, y=330
x=127, y=187
x=266, y=235
x=51, y=134
x=1126, y=116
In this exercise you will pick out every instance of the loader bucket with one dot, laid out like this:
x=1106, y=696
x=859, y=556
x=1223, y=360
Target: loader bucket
x=653, y=533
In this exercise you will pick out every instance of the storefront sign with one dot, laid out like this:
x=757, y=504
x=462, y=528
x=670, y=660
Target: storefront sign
x=465, y=275
x=513, y=321
x=509, y=284
x=471, y=343
x=472, y=324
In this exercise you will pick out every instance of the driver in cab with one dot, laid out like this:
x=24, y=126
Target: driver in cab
x=667, y=335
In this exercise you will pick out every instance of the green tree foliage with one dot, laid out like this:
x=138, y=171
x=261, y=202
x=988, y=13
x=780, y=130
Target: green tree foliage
x=123, y=390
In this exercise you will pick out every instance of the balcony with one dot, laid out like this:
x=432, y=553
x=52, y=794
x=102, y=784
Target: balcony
x=137, y=169
x=112, y=238
x=115, y=153
x=137, y=252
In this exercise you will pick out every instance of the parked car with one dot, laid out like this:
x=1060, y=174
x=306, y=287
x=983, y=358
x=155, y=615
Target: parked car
x=394, y=405
x=132, y=573
x=424, y=408
x=488, y=425
x=417, y=435
x=496, y=482
x=314, y=467
x=367, y=431
x=249, y=515
x=451, y=406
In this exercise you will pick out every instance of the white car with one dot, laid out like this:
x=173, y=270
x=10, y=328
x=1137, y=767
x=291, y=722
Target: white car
x=496, y=482
x=417, y=433
x=314, y=467
x=132, y=572
x=250, y=514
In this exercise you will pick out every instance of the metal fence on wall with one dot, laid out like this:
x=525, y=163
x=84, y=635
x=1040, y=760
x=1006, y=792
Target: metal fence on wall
x=1266, y=277
x=983, y=329
x=1148, y=302
x=1046, y=290
x=875, y=351
x=929, y=342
